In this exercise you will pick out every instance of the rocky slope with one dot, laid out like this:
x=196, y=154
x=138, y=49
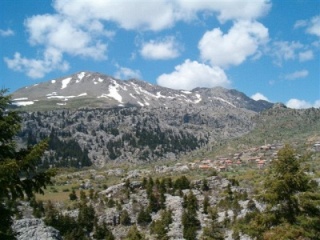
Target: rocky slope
x=87, y=89
x=90, y=117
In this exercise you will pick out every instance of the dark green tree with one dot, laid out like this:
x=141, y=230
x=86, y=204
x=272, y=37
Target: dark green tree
x=189, y=219
x=292, y=202
x=19, y=177
x=73, y=195
x=161, y=226
x=125, y=218
x=86, y=217
x=206, y=204
x=144, y=217
x=102, y=232
x=205, y=186
x=134, y=234
x=214, y=230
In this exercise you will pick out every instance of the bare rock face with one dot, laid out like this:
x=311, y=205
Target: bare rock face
x=35, y=229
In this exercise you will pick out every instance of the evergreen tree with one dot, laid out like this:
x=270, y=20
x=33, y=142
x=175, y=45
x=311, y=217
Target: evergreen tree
x=73, y=195
x=86, y=217
x=19, y=176
x=189, y=219
x=206, y=204
x=102, y=232
x=125, y=218
x=205, y=186
x=215, y=230
x=134, y=234
x=143, y=217
x=292, y=202
x=160, y=227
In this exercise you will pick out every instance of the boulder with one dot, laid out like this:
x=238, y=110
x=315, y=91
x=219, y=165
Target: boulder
x=35, y=229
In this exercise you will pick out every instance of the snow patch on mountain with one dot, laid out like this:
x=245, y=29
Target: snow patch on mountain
x=51, y=94
x=61, y=97
x=20, y=99
x=198, y=98
x=81, y=75
x=113, y=92
x=132, y=96
x=222, y=100
x=23, y=103
x=53, y=81
x=65, y=82
x=82, y=94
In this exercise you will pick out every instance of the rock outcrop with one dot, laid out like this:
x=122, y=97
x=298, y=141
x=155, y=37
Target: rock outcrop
x=34, y=229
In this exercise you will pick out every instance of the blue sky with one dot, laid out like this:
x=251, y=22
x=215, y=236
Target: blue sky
x=266, y=49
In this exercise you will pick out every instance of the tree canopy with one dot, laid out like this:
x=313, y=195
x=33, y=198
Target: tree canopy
x=19, y=177
x=292, y=201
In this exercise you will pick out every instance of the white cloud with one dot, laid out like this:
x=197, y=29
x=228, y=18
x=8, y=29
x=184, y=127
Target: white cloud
x=311, y=26
x=300, y=23
x=127, y=73
x=37, y=68
x=298, y=74
x=6, y=33
x=298, y=104
x=167, y=48
x=284, y=51
x=259, y=96
x=243, y=40
x=54, y=31
x=305, y=56
x=314, y=27
x=192, y=74
x=158, y=15
x=78, y=27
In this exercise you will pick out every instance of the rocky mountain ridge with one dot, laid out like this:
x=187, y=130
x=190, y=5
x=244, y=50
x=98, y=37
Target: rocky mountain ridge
x=90, y=117
x=88, y=89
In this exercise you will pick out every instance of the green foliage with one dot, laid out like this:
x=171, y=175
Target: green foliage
x=292, y=202
x=160, y=227
x=125, y=218
x=102, y=232
x=73, y=195
x=214, y=230
x=206, y=204
x=69, y=153
x=182, y=183
x=189, y=217
x=205, y=186
x=134, y=234
x=86, y=217
x=144, y=217
x=19, y=176
x=74, y=228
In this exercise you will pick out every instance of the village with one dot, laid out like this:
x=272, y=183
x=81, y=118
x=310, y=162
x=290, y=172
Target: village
x=257, y=157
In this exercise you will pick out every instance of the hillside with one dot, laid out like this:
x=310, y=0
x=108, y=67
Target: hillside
x=94, y=90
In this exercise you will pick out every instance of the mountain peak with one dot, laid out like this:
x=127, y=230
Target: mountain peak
x=93, y=89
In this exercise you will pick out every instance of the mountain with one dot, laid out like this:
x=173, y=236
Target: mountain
x=93, y=118
x=94, y=90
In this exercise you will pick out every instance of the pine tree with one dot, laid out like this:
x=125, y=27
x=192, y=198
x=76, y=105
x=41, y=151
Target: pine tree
x=189, y=219
x=160, y=227
x=125, y=218
x=134, y=234
x=102, y=232
x=143, y=217
x=215, y=230
x=19, y=176
x=292, y=202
